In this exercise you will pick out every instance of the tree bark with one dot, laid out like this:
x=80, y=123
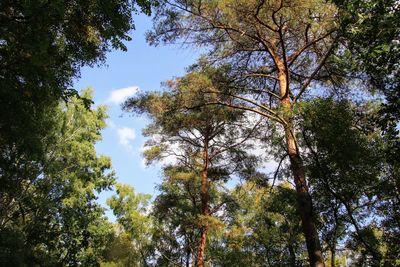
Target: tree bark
x=205, y=211
x=304, y=201
x=305, y=210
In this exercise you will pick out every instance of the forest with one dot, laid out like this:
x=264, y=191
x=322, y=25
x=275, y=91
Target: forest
x=311, y=86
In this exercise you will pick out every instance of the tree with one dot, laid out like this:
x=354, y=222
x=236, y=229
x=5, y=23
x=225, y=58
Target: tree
x=131, y=211
x=263, y=228
x=371, y=34
x=203, y=139
x=48, y=204
x=119, y=251
x=176, y=213
x=43, y=45
x=344, y=167
x=279, y=47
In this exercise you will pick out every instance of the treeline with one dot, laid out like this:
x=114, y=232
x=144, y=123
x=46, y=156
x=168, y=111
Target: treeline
x=311, y=85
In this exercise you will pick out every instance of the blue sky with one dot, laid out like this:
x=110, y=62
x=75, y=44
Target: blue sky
x=143, y=68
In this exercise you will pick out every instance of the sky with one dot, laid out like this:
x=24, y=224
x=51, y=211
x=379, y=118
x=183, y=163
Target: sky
x=141, y=68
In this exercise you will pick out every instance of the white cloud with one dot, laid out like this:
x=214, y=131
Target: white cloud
x=126, y=135
x=120, y=95
x=111, y=124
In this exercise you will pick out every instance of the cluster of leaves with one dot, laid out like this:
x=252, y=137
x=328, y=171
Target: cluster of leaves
x=258, y=226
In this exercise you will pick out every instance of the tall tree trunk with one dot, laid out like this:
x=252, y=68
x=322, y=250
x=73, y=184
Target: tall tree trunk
x=304, y=202
x=205, y=212
x=305, y=210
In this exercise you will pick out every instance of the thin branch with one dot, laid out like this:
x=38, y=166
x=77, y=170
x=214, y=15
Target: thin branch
x=277, y=171
x=247, y=100
x=275, y=12
x=267, y=92
x=261, y=75
x=259, y=7
x=312, y=76
x=292, y=58
x=237, y=143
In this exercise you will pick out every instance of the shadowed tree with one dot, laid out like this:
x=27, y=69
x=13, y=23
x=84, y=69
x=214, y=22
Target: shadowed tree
x=43, y=45
x=49, y=206
x=263, y=228
x=344, y=167
x=372, y=37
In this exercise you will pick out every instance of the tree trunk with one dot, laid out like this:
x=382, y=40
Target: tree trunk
x=188, y=253
x=304, y=202
x=205, y=212
x=305, y=210
x=333, y=256
x=292, y=254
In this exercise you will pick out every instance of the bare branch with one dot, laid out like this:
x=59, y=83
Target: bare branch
x=237, y=143
x=277, y=171
x=312, y=76
x=292, y=58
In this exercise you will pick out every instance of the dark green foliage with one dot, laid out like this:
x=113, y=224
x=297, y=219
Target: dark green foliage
x=262, y=230
x=371, y=32
x=175, y=215
x=348, y=180
x=48, y=203
x=48, y=167
x=43, y=45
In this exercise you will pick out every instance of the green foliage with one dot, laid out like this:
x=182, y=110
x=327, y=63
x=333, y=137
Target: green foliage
x=175, y=214
x=201, y=143
x=177, y=217
x=50, y=172
x=346, y=174
x=260, y=229
x=120, y=251
x=48, y=202
x=183, y=120
x=49, y=169
x=371, y=32
x=131, y=210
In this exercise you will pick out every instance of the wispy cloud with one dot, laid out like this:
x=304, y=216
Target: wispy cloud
x=120, y=95
x=125, y=136
x=111, y=123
